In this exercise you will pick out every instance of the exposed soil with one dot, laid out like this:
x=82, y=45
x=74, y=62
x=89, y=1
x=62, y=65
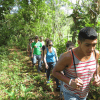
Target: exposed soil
x=29, y=70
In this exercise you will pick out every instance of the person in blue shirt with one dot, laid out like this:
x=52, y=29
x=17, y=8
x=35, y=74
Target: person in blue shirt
x=50, y=59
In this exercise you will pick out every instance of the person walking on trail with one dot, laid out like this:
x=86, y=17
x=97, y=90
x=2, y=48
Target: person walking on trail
x=32, y=40
x=41, y=40
x=82, y=65
x=29, y=47
x=69, y=46
x=36, y=52
x=50, y=58
x=43, y=44
x=43, y=49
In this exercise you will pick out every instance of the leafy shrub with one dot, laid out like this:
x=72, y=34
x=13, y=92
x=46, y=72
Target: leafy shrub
x=61, y=46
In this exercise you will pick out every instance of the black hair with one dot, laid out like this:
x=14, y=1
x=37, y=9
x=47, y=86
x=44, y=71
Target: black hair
x=46, y=40
x=69, y=43
x=36, y=37
x=30, y=39
x=49, y=41
x=87, y=33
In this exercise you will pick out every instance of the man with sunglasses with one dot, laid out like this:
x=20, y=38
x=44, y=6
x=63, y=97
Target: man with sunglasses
x=50, y=59
x=82, y=65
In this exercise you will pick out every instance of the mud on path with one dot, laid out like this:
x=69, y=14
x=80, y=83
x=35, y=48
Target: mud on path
x=32, y=70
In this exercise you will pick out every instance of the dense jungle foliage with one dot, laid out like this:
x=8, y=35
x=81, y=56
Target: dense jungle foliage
x=43, y=18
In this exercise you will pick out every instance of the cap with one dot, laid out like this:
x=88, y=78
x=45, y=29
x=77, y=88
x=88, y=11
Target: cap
x=88, y=33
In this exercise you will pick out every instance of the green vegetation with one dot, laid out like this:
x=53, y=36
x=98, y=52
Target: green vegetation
x=20, y=82
x=17, y=80
x=46, y=19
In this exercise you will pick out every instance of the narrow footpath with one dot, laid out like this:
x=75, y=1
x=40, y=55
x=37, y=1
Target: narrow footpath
x=32, y=70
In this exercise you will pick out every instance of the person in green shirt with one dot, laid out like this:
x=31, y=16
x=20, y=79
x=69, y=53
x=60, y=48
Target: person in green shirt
x=36, y=52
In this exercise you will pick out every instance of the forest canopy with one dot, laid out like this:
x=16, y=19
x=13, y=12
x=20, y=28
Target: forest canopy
x=45, y=17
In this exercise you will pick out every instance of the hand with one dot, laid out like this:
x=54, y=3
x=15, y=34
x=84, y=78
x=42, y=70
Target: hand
x=96, y=81
x=35, y=46
x=77, y=83
x=32, y=56
x=46, y=66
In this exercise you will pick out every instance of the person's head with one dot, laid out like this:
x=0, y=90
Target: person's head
x=69, y=45
x=30, y=40
x=46, y=40
x=49, y=43
x=41, y=38
x=36, y=38
x=87, y=40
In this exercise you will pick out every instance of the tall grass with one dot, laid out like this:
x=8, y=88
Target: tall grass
x=18, y=84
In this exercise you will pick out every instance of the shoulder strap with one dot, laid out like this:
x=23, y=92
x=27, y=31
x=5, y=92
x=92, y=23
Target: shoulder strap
x=74, y=62
x=96, y=63
x=56, y=57
x=46, y=50
x=53, y=49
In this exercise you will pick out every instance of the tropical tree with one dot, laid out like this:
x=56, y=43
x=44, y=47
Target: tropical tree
x=85, y=13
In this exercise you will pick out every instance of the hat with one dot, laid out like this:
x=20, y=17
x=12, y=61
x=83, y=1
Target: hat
x=88, y=33
x=36, y=37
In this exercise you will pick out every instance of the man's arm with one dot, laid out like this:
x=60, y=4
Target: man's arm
x=65, y=60
x=41, y=46
x=97, y=62
x=32, y=50
x=96, y=75
x=97, y=57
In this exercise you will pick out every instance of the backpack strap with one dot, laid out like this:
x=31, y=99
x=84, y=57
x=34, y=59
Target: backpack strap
x=74, y=61
x=55, y=53
x=96, y=63
x=75, y=65
x=43, y=48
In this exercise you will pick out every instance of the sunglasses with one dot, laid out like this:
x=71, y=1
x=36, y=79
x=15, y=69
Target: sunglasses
x=50, y=45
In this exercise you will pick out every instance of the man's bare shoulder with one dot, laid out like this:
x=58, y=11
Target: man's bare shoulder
x=66, y=55
x=66, y=58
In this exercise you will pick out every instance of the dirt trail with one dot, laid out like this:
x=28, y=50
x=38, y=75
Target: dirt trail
x=55, y=93
x=29, y=69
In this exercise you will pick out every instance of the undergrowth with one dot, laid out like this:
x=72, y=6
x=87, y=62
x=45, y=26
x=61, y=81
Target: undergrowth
x=18, y=84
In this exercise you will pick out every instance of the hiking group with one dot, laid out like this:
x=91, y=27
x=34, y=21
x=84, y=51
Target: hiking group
x=74, y=69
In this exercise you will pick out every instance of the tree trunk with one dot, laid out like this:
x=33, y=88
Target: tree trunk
x=74, y=37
